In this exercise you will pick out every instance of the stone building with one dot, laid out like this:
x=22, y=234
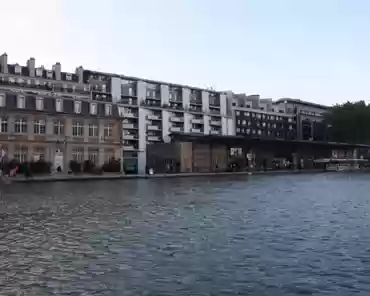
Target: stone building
x=55, y=116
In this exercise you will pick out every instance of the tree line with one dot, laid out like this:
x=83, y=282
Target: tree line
x=349, y=122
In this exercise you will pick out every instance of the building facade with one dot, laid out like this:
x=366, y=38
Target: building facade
x=152, y=110
x=310, y=119
x=55, y=116
x=262, y=118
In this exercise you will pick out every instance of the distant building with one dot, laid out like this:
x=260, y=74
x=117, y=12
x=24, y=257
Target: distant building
x=152, y=110
x=262, y=118
x=55, y=116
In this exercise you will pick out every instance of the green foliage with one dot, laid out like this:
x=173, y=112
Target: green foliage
x=350, y=122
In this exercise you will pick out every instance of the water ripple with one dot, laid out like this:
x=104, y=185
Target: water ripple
x=259, y=235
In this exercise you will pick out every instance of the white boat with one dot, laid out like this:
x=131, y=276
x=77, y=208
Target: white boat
x=340, y=165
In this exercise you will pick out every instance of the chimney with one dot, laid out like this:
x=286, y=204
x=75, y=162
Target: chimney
x=31, y=66
x=80, y=74
x=57, y=70
x=4, y=63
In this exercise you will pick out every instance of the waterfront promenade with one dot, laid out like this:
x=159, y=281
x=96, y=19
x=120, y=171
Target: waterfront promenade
x=113, y=176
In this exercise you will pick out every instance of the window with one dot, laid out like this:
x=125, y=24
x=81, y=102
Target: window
x=108, y=109
x=93, y=154
x=20, y=125
x=58, y=127
x=78, y=154
x=20, y=154
x=2, y=100
x=238, y=121
x=59, y=105
x=21, y=102
x=238, y=130
x=108, y=130
x=39, y=104
x=77, y=129
x=3, y=125
x=237, y=113
x=39, y=127
x=38, y=153
x=93, y=108
x=77, y=107
x=93, y=130
x=108, y=155
x=244, y=122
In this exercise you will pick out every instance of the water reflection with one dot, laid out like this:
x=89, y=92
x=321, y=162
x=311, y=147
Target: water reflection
x=266, y=235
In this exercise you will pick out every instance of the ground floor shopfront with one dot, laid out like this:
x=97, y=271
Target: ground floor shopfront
x=189, y=153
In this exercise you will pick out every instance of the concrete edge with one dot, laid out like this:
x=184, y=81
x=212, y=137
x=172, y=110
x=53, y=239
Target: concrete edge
x=161, y=176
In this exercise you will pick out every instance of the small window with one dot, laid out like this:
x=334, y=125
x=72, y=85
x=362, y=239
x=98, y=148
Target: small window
x=68, y=76
x=58, y=127
x=39, y=104
x=237, y=113
x=244, y=122
x=59, y=105
x=77, y=129
x=93, y=108
x=108, y=109
x=21, y=103
x=93, y=130
x=39, y=127
x=20, y=125
x=3, y=125
x=2, y=100
x=108, y=130
x=77, y=106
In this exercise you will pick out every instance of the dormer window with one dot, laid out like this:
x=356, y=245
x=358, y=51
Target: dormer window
x=21, y=102
x=49, y=74
x=93, y=108
x=68, y=76
x=17, y=69
x=39, y=72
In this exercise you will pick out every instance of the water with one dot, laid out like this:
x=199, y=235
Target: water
x=263, y=235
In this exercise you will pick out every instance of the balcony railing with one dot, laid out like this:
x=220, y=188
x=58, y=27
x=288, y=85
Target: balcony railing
x=177, y=119
x=126, y=101
x=195, y=109
x=130, y=126
x=154, y=138
x=129, y=148
x=196, y=130
x=215, y=132
x=153, y=117
x=215, y=122
x=153, y=127
x=129, y=137
x=197, y=120
x=130, y=115
x=176, y=129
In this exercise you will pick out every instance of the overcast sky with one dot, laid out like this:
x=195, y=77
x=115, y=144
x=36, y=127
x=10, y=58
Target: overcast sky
x=314, y=50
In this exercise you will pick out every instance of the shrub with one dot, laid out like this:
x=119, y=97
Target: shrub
x=88, y=166
x=113, y=166
x=75, y=166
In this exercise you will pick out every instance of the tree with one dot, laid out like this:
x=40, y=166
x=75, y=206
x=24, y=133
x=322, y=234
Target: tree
x=349, y=122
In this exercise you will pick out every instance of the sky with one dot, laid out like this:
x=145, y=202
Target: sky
x=314, y=50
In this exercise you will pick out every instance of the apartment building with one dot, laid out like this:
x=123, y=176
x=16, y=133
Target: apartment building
x=56, y=116
x=262, y=118
x=310, y=118
x=152, y=110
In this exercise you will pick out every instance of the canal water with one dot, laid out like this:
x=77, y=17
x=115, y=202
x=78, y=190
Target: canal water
x=257, y=235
